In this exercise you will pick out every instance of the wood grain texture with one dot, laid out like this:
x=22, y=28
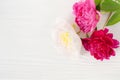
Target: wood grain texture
x=27, y=52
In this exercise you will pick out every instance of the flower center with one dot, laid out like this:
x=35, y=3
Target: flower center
x=65, y=38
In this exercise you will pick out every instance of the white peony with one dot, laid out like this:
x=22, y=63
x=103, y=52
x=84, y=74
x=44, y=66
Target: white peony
x=66, y=38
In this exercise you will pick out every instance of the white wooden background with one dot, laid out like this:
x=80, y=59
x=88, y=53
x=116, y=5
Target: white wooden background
x=27, y=52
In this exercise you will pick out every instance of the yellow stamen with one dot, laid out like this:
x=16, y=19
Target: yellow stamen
x=65, y=38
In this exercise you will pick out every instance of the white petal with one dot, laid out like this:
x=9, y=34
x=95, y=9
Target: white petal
x=74, y=47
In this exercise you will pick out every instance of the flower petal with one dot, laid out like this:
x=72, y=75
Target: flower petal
x=65, y=38
x=110, y=35
x=116, y=43
x=85, y=43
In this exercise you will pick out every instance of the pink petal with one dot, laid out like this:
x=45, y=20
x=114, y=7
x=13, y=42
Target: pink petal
x=116, y=43
x=106, y=30
x=99, y=33
x=112, y=52
x=110, y=35
x=91, y=3
x=85, y=43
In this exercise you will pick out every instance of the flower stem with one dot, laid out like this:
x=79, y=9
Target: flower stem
x=107, y=19
x=87, y=35
x=78, y=32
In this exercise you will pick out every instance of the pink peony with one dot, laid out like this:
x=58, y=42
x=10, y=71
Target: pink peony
x=101, y=44
x=86, y=15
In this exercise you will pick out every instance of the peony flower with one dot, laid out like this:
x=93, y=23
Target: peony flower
x=66, y=38
x=101, y=44
x=86, y=15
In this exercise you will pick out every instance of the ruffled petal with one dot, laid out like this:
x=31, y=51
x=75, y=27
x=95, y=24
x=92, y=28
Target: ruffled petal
x=110, y=35
x=85, y=43
x=116, y=43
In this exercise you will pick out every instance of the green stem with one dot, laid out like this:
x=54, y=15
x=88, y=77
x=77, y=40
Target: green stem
x=87, y=35
x=107, y=20
x=78, y=32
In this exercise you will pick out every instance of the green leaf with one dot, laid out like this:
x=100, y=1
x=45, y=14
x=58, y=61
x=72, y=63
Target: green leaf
x=115, y=18
x=110, y=5
x=97, y=2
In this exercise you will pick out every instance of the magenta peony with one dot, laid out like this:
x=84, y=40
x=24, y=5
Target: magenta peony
x=86, y=15
x=101, y=44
